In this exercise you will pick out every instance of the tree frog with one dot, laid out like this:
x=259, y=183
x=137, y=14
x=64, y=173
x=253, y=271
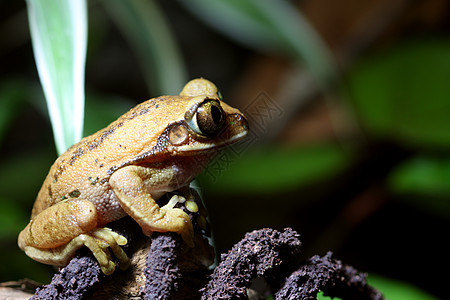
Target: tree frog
x=157, y=147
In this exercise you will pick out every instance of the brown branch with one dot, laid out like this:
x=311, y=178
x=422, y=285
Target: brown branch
x=162, y=271
x=330, y=276
x=270, y=254
x=260, y=253
x=163, y=268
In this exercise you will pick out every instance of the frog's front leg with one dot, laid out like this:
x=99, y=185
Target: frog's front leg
x=56, y=233
x=133, y=185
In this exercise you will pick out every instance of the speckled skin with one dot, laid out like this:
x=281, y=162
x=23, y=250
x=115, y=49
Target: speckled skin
x=84, y=170
x=122, y=170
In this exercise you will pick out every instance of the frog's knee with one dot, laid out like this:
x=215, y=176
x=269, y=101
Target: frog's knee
x=59, y=224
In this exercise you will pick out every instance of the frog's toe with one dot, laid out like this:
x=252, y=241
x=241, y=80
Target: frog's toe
x=182, y=224
x=99, y=250
x=174, y=200
x=114, y=241
x=108, y=268
x=98, y=242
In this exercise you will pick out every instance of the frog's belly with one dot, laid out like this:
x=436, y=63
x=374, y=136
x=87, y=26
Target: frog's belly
x=108, y=208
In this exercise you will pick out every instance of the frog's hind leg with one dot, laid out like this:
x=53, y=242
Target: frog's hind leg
x=55, y=234
x=97, y=241
x=58, y=224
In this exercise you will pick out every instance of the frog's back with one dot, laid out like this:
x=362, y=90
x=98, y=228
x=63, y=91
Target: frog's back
x=83, y=171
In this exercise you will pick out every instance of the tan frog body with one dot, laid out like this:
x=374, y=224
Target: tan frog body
x=157, y=147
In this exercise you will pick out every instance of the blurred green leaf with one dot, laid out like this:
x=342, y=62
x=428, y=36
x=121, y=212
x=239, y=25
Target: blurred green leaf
x=12, y=95
x=267, y=26
x=428, y=176
x=392, y=290
x=143, y=24
x=275, y=169
x=16, y=265
x=20, y=179
x=320, y=296
x=19, y=187
x=101, y=110
x=424, y=182
x=12, y=218
x=59, y=38
x=404, y=94
x=397, y=290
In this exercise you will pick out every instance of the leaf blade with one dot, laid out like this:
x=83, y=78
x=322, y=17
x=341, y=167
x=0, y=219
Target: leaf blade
x=272, y=169
x=402, y=94
x=59, y=39
x=143, y=24
x=269, y=26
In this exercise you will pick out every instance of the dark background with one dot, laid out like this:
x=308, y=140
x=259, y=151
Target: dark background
x=358, y=164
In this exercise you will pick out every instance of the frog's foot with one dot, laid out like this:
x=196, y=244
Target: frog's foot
x=174, y=220
x=174, y=200
x=98, y=241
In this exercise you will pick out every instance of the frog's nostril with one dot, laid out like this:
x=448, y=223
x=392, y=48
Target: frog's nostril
x=239, y=122
x=237, y=128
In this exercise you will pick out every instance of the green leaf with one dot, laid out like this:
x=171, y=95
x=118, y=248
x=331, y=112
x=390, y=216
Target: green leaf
x=320, y=296
x=424, y=182
x=267, y=26
x=21, y=176
x=12, y=218
x=397, y=290
x=403, y=94
x=428, y=176
x=16, y=265
x=12, y=95
x=101, y=110
x=59, y=38
x=143, y=24
x=392, y=290
x=275, y=169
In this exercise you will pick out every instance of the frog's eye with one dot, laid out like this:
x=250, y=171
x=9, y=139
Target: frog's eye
x=209, y=118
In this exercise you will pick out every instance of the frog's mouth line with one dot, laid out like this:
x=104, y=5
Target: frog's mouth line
x=206, y=146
